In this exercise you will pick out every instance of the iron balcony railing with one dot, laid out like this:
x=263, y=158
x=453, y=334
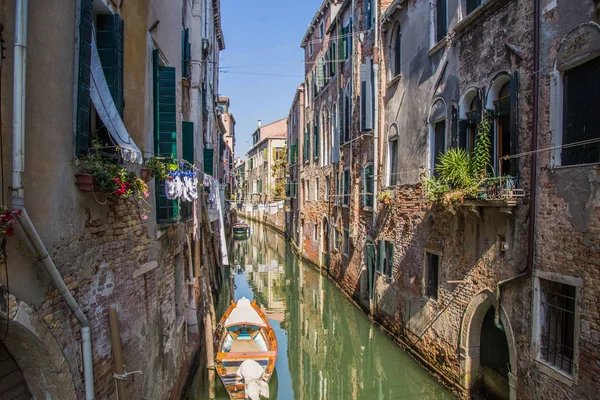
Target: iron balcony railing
x=505, y=188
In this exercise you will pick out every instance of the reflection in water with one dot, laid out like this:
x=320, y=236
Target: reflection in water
x=328, y=349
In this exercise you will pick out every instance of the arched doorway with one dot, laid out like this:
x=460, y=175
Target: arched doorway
x=325, y=243
x=12, y=382
x=487, y=351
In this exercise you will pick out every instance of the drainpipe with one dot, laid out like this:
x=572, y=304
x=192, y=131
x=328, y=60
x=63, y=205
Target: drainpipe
x=375, y=112
x=534, y=146
x=18, y=192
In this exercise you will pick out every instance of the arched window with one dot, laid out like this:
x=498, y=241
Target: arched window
x=503, y=105
x=470, y=118
x=437, y=132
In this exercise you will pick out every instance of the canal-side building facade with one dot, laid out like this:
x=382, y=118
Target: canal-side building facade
x=115, y=78
x=295, y=129
x=487, y=289
x=269, y=144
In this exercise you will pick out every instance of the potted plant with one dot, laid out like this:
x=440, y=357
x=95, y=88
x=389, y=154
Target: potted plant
x=98, y=173
x=154, y=167
x=385, y=197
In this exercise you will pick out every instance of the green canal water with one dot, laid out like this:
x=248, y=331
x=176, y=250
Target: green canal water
x=328, y=349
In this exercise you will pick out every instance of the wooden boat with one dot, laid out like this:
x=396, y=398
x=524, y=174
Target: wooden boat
x=246, y=351
x=241, y=230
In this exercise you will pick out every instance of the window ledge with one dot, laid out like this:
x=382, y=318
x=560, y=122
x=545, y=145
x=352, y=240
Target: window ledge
x=393, y=81
x=555, y=373
x=560, y=167
x=438, y=46
x=345, y=206
x=368, y=208
x=477, y=15
x=345, y=255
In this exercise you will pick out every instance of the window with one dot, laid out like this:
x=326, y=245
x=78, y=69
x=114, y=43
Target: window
x=109, y=45
x=501, y=144
x=310, y=50
x=441, y=20
x=346, y=41
x=557, y=325
x=346, y=183
x=322, y=30
x=472, y=5
x=346, y=242
x=303, y=192
x=327, y=189
x=307, y=190
x=347, y=113
x=317, y=189
x=332, y=57
x=394, y=176
x=396, y=52
x=337, y=188
x=316, y=138
x=439, y=142
x=306, y=144
x=581, y=102
x=368, y=14
x=367, y=181
x=385, y=265
x=366, y=96
x=337, y=238
x=315, y=232
x=432, y=264
x=467, y=135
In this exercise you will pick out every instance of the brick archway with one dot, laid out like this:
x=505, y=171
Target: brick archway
x=37, y=354
x=470, y=338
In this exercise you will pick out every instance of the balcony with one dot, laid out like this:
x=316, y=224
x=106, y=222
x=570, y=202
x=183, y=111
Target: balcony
x=502, y=191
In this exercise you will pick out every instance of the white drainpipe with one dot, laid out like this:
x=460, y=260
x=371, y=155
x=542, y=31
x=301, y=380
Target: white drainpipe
x=376, y=112
x=18, y=192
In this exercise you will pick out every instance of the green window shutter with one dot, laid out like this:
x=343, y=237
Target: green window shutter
x=167, y=115
x=381, y=256
x=209, y=158
x=165, y=132
x=185, y=52
x=188, y=141
x=109, y=39
x=369, y=179
x=82, y=128
x=363, y=186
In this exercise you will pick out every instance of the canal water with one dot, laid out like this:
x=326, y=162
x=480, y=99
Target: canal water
x=328, y=349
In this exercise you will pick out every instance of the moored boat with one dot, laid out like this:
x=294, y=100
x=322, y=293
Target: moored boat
x=246, y=351
x=241, y=230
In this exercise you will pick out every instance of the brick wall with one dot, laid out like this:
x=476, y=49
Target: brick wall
x=127, y=270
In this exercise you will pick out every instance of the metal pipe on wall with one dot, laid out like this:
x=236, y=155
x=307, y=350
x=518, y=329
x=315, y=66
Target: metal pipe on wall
x=18, y=195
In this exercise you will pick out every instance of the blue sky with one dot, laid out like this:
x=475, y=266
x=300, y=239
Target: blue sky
x=259, y=33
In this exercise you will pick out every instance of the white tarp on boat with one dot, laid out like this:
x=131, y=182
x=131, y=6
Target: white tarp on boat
x=244, y=313
x=253, y=373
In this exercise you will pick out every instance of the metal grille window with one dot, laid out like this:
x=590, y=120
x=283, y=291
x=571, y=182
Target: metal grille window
x=557, y=333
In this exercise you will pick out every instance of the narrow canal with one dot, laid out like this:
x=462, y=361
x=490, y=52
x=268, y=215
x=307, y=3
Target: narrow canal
x=328, y=349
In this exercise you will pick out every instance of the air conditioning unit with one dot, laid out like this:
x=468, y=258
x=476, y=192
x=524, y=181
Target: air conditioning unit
x=205, y=48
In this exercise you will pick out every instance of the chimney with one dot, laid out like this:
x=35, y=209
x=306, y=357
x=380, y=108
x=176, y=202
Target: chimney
x=259, y=121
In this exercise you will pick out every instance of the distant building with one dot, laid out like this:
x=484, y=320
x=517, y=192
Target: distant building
x=228, y=151
x=268, y=146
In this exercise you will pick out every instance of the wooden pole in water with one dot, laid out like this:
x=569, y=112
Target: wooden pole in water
x=115, y=337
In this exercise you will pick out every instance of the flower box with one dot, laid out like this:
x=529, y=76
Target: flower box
x=87, y=183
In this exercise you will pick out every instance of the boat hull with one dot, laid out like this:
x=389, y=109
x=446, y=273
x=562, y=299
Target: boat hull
x=244, y=338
